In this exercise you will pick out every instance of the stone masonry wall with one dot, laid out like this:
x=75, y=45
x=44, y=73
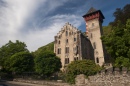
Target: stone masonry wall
x=105, y=78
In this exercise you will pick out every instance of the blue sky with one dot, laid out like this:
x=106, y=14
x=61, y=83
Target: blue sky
x=36, y=22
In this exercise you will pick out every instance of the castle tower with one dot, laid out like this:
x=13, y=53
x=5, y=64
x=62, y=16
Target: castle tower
x=94, y=19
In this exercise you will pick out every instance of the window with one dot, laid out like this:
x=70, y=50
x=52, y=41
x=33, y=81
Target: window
x=97, y=60
x=55, y=41
x=66, y=33
x=92, y=24
x=66, y=40
x=59, y=51
x=77, y=50
x=67, y=50
x=94, y=45
x=69, y=33
x=66, y=60
x=74, y=39
x=91, y=35
x=59, y=42
x=59, y=37
x=75, y=58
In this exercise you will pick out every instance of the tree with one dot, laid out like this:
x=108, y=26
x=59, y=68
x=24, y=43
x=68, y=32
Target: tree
x=121, y=15
x=48, y=47
x=47, y=63
x=87, y=67
x=118, y=42
x=21, y=62
x=9, y=49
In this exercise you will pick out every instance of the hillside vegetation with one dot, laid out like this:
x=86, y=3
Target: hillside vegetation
x=48, y=47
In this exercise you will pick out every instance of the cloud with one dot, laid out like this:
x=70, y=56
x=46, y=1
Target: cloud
x=30, y=21
x=36, y=22
x=44, y=35
x=13, y=15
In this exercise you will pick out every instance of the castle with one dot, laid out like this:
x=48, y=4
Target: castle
x=71, y=44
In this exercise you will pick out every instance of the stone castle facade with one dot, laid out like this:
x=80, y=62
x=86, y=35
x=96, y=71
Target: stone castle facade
x=71, y=44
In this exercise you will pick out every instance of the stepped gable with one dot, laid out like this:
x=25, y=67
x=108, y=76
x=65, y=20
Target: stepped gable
x=71, y=27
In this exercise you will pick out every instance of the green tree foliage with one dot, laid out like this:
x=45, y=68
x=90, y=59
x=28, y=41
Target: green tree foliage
x=107, y=29
x=9, y=49
x=47, y=63
x=48, y=47
x=87, y=67
x=118, y=42
x=122, y=62
x=121, y=15
x=21, y=62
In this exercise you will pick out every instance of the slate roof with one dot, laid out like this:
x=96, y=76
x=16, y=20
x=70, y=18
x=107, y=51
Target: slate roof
x=93, y=10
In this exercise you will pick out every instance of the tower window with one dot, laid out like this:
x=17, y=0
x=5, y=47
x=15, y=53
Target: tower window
x=97, y=60
x=92, y=24
x=91, y=35
x=66, y=33
x=94, y=45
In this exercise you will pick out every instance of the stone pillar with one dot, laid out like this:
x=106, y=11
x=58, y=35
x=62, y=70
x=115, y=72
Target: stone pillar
x=80, y=80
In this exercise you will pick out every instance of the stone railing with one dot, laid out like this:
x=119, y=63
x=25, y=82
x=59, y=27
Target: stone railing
x=108, y=77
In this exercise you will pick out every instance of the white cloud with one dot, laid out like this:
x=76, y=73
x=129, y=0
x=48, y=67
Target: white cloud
x=15, y=14
x=40, y=37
